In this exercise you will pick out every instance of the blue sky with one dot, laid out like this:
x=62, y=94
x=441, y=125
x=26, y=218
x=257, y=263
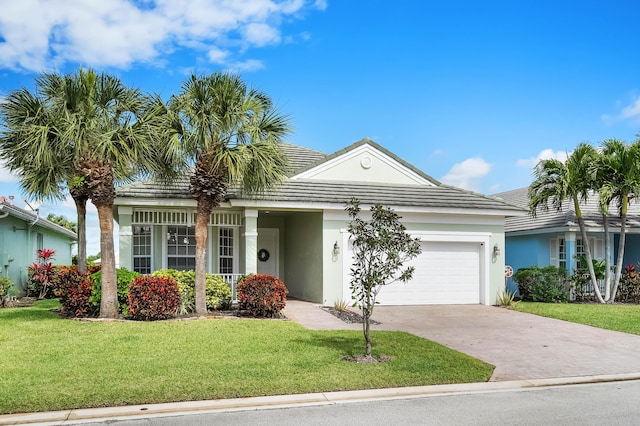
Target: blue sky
x=473, y=93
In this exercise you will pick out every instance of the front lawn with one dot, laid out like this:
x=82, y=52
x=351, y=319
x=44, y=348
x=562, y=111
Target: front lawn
x=625, y=318
x=48, y=363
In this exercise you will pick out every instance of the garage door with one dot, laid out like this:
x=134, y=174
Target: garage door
x=446, y=273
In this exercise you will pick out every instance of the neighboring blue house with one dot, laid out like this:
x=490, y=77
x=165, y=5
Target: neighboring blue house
x=22, y=233
x=553, y=238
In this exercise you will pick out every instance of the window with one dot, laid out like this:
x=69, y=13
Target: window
x=142, y=249
x=181, y=248
x=562, y=253
x=225, y=251
x=580, y=252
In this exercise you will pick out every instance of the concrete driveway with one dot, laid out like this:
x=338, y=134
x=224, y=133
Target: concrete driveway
x=519, y=345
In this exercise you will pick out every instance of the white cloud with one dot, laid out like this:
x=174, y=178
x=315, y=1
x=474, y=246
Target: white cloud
x=6, y=175
x=45, y=34
x=467, y=174
x=545, y=154
x=629, y=112
x=261, y=34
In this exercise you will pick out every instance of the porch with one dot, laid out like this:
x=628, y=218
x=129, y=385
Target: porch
x=287, y=244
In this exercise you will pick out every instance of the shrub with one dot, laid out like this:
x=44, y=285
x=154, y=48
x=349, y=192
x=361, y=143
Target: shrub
x=262, y=295
x=629, y=287
x=542, y=284
x=74, y=290
x=153, y=298
x=41, y=275
x=218, y=293
x=124, y=277
x=5, y=288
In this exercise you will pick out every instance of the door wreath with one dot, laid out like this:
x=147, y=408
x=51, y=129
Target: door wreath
x=263, y=255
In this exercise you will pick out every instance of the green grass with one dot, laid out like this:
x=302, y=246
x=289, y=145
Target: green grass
x=624, y=318
x=48, y=363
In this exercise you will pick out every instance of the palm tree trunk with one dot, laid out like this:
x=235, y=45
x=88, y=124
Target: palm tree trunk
x=205, y=206
x=621, y=244
x=587, y=249
x=109, y=299
x=607, y=259
x=81, y=209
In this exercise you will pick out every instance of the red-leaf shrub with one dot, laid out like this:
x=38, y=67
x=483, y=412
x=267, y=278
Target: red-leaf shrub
x=74, y=291
x=262, y=295
x=153, y=298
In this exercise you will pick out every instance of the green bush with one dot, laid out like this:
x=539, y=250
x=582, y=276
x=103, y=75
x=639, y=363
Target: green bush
x=153, y=298
x=262, y=295
x=5, y=288
x=124, y=278
x=218, y=293
x=542, y=284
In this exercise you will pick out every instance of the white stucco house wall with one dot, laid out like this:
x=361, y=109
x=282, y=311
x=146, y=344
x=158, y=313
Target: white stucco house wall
x=298, y=231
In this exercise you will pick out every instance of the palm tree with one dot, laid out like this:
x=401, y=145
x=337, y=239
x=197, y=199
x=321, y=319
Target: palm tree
x=225, y=134
x=91, y=132
x=555, y=182
x=620, y=181
x=28, y=144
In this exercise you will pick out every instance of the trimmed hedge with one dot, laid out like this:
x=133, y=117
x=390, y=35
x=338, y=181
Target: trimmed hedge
x=153, y=298
x=262, y=295
x=218, y=293
x=74, y=291
x=542, y=284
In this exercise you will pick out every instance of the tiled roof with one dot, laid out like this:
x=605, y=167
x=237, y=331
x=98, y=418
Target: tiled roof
x=300, y=158
x=566, y=218
x=338, y=192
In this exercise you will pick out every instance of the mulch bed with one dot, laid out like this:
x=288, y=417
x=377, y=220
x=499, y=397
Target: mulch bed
x=348, y=316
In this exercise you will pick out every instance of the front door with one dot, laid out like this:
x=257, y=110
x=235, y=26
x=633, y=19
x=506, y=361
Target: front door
x=268, y=251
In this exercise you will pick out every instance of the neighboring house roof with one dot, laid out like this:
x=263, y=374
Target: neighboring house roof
x=33, y=219
x=565, y=218
x=434, y=196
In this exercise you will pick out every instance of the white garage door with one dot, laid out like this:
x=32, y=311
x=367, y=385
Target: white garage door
x=446, y=273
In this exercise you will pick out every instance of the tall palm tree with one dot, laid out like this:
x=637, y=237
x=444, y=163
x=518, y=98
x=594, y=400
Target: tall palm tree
x=225, y=134
x=28, y=144
x=95, y=135
x=620, y=170
x=556, y=182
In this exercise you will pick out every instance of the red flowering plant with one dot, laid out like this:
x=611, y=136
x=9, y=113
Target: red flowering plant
x=41, y=275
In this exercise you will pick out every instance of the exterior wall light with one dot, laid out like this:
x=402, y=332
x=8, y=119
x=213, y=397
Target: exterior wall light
x=496, y=250
x=336, y=249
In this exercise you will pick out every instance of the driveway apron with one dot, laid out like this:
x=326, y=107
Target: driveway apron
x=520, y=346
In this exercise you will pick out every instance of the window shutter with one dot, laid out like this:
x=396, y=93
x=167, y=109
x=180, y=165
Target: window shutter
x=553, y=252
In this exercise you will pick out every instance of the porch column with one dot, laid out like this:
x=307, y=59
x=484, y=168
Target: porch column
x=570, y=247
x=125, y=237
x=250, y=241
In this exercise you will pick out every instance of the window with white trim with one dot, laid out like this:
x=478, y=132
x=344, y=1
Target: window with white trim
x=562, y=253
x=225, y=251
x=142, y=249
x=181, y=248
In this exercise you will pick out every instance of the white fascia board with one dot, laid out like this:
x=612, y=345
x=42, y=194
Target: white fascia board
x=309, y=174
x=160, y=203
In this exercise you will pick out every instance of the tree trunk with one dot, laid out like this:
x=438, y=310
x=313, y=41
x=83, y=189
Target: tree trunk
x=607, y=259
x=205, y=206
x=621, y=244
x=109, y=299
x=587, y=249
x=81, y=210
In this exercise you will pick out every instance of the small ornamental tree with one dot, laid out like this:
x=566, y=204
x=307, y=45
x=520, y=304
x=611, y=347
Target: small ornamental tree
x=381, y=246
x=41, y=275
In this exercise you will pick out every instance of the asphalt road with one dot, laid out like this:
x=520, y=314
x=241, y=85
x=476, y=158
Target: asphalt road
x=616, y=403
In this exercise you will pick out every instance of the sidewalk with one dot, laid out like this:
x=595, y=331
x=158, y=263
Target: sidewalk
x=131, y=412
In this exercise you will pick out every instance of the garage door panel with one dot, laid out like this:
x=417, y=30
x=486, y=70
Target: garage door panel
x=446, y=273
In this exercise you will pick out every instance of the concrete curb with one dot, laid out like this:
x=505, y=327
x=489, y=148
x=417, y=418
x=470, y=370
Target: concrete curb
x=88, y=415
